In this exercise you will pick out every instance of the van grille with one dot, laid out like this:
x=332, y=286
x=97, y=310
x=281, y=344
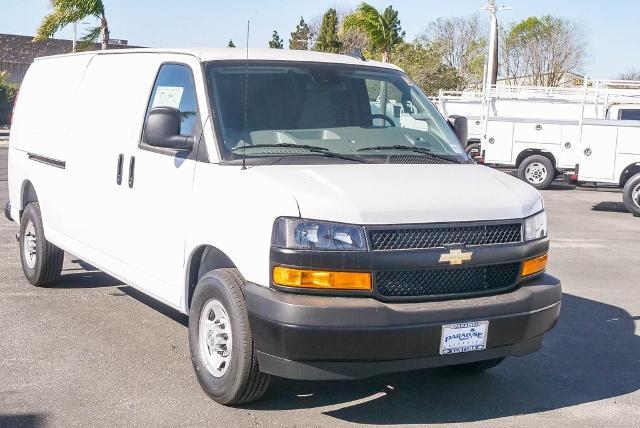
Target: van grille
x=447, y=282
x=440, y=236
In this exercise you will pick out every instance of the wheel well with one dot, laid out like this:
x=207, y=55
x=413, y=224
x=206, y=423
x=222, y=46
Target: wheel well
x=629, y=172
x=28, y=195
x=204, y=259
x=530, y=152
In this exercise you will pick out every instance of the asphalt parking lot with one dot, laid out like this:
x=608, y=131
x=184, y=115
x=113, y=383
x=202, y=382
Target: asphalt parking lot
x=95, y=352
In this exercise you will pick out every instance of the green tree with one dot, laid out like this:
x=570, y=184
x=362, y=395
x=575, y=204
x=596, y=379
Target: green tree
x=390, y=15
x=300, y=37
x=542, y=51
x=462, y=42
x=382, y=29
x=425, y=67
x=231, y=44
x=328, y=39
x=276, y=41
x=8, y=92
x=65, y=12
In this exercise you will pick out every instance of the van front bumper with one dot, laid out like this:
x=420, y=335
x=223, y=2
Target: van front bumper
x=320, y=337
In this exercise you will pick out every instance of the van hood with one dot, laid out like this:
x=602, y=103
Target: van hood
x=401, y=193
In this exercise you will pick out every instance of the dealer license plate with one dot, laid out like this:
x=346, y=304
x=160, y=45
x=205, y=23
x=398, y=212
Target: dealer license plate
x=464, y=337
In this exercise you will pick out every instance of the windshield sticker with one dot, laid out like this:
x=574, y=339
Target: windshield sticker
x=168, y=96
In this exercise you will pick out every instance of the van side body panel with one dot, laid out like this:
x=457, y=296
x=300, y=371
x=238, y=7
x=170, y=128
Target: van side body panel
x=225, y=217
x=44, y=115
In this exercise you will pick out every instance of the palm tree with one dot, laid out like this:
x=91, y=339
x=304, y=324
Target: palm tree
x=65, y=12
x=382, y=29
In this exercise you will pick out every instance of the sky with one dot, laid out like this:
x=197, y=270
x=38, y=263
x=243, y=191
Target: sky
x=612, y=26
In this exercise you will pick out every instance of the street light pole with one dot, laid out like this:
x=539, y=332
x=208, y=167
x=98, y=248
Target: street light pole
x=491, y=65
x=490, y=76
x=75, y=36
x=74, y=44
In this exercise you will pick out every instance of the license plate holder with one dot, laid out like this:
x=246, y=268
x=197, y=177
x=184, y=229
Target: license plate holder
x=464, y=337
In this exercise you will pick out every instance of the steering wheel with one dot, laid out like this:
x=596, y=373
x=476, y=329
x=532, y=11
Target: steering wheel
x=383, y=117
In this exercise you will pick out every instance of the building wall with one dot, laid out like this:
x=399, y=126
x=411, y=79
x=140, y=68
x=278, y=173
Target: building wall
x=18, y=52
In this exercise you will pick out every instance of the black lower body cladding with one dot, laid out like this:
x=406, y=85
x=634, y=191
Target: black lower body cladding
x=325, y=337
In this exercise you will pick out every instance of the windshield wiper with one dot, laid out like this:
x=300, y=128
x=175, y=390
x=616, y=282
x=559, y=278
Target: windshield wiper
x=421, y=150
x=297, y=146
x=323, y=151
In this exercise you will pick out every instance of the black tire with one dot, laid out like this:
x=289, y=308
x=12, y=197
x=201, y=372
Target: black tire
x=538, y=171
x=631, y=195
x=479, y=366
x=42, y=262
x=473, y=150
x=242, y=381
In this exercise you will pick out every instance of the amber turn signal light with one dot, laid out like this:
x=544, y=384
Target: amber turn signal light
x=532, y=266
x=303, y=278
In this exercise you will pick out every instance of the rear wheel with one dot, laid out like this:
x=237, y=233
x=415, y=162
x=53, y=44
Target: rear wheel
x=222, y=349
x=538, y=171
x=479, y=366
x=631, y=195
x=41, y=260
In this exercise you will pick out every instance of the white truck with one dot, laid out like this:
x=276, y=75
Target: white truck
x=544, y=132
x=254, y=192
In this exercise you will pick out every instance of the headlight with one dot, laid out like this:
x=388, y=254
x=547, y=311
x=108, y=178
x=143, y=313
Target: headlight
x=535, y=227
x=301, y=234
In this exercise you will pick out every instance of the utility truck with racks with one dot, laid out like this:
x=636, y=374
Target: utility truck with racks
x=588, y=134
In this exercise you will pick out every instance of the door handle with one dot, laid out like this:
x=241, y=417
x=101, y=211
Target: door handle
x=119, y=169
x=132, y=167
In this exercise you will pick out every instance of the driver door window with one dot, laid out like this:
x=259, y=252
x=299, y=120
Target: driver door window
x=174, y=87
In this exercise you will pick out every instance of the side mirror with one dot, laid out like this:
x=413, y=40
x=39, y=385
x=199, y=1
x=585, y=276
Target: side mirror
x=163, y=130
x=460, y=128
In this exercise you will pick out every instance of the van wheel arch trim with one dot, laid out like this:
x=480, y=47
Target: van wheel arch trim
x=28, y=195
x=203, y=259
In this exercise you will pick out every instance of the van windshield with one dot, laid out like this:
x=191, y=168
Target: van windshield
x=367, y=114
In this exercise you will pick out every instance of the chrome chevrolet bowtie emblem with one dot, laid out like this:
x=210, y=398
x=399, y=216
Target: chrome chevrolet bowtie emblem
x=456, y=257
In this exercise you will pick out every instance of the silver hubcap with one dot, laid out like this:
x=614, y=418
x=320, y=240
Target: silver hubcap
x=635, y=195
x=215, y=338
x=29, y=245
x=535, y=173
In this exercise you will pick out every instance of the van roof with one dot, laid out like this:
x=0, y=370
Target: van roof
x=222, y=54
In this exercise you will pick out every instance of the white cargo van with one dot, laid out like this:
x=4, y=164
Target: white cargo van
x=253, y=192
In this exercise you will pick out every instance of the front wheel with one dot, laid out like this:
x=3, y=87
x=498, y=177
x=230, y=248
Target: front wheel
x=538, y=171
x=41, y=260
x=631, y=195
x=220, y=340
